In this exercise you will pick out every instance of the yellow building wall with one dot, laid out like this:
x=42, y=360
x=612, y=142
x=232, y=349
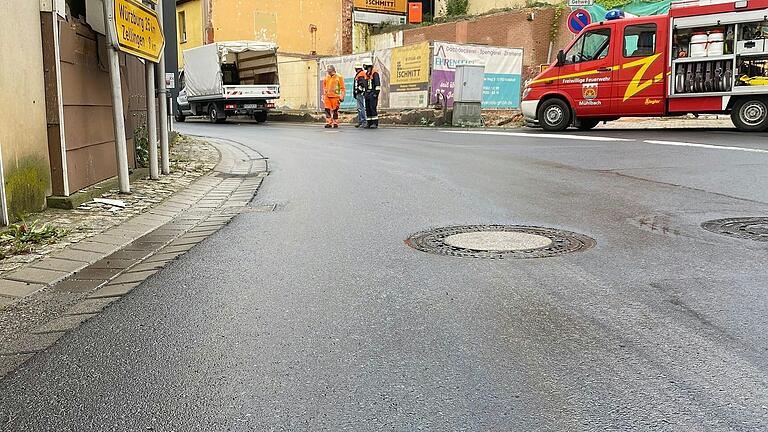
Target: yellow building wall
x=23, y=124
x=298, y=83
x=296, y=26
x=193, y=11
x=477, y=7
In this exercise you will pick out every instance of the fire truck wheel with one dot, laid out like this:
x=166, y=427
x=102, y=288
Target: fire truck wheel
x=587, y=123
x=554, y=115
x=750, y=114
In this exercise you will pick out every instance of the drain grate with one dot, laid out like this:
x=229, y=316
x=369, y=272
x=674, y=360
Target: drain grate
x=529, y=244
x=749, y=228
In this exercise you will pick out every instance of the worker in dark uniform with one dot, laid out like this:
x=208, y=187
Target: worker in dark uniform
x=372, y=89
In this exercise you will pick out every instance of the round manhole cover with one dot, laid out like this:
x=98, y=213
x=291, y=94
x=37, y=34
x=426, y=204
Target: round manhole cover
x=499, y=241
x=749, y=228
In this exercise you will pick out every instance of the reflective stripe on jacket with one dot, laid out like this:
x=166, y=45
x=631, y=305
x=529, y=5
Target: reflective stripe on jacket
x=360, y=83
x=373, y=82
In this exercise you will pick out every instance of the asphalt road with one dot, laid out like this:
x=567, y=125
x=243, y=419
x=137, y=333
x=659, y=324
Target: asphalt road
x=317, y=316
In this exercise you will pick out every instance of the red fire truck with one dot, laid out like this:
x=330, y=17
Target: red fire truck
x=704, y=56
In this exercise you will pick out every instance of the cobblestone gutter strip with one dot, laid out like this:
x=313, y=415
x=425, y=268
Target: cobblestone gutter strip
x=130, y=254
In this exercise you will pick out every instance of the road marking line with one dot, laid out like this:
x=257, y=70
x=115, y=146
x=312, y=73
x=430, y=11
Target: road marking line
x=707, y=146
x=542, y=135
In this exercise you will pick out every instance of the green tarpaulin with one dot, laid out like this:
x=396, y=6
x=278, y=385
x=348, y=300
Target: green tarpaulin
x=636, y=7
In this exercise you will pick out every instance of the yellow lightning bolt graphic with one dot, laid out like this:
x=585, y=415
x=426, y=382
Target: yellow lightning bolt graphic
x=636, y=86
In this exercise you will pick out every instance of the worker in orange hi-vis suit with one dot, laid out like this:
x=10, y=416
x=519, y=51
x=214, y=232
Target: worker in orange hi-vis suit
x=333, y=95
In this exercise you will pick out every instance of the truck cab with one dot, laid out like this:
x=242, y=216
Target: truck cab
x=613, y=66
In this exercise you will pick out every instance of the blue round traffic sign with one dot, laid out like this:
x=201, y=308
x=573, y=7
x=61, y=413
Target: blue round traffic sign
x=578, y=19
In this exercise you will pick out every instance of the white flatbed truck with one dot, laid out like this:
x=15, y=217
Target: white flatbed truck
x=228, y=78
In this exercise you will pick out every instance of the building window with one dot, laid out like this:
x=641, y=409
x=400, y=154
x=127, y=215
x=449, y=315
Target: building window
x=182, y=27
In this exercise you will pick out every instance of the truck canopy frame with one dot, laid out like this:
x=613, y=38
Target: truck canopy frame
x=256, y=65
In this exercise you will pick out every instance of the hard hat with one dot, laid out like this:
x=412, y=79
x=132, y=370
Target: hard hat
x=368, y=63
x=358, y=65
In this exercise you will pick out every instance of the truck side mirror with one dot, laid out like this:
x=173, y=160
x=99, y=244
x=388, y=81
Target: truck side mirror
x=560, y=58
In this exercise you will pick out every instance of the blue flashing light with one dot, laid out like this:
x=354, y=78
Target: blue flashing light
x=614, y=14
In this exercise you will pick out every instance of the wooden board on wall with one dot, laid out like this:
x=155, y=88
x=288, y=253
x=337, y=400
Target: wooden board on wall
x=87, y=105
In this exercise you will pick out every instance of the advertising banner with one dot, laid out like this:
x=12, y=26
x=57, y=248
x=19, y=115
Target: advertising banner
x=396, y=7
x=409, y=85
x=503, y=70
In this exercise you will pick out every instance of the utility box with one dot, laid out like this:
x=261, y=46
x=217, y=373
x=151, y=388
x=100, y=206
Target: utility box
x=414, y=13
x=468, y=83
x=468, y=95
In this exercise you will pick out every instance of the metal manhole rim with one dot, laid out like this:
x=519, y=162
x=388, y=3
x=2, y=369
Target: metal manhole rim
x=562, y=241
x=737, y=227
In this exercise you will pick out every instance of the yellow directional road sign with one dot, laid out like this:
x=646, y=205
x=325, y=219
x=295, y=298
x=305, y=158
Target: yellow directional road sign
x=138, y=30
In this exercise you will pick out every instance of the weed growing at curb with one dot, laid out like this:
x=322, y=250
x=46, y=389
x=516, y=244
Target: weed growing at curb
x=20, y=238
x=141, y=136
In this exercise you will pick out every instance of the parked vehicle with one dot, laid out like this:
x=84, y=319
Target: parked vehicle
x=229, y=78
x=704, y=56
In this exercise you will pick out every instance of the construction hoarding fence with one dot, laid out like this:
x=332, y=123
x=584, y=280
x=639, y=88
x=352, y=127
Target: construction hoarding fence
x=409, y=85
x=503, y=72
x=413, y=75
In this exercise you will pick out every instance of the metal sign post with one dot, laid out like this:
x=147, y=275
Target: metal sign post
x=134, y=29
x=121, y=148
x=165, y=162
x=154, y=171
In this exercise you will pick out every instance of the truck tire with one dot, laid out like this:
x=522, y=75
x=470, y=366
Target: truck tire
x=554, y=115
x=260, y=117
x=750, y=114
x=586, y=123
x=213, y=114
x=180, y=117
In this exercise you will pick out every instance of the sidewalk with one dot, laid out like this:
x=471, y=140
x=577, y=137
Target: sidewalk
x=190, y=159
x=44, y=299
x=703, y=121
